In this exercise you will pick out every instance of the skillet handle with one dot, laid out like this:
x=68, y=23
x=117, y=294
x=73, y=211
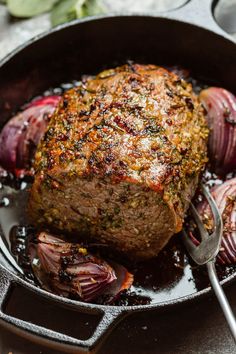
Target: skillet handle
x=110, y=317
x=199, y=13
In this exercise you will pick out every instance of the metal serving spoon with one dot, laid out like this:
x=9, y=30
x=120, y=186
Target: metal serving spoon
x=206, y=252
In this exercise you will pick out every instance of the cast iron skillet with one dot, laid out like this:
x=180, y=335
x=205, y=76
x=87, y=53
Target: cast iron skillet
x=188, y=36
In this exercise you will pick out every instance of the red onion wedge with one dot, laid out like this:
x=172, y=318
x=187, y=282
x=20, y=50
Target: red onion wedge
x=220, y=105
x=225, y=197
x=68, y=269
x=21, y=135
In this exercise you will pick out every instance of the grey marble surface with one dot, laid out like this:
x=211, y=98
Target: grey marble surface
x=13, y=33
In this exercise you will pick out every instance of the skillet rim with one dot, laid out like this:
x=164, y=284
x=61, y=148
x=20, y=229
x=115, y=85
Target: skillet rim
x=160, y=15
x=17, y=279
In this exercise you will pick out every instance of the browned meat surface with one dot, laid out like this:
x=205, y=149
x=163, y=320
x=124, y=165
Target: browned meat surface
x=121, y=159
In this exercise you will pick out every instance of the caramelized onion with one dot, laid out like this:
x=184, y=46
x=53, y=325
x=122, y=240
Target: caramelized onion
x=220, y=105
x=225, y=198
x=68, y=269
x=21, y=135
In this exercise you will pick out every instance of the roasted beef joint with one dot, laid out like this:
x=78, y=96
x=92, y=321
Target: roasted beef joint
x=121, y=159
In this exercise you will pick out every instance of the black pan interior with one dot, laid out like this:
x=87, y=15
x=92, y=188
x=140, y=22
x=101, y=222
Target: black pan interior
x=91, y=46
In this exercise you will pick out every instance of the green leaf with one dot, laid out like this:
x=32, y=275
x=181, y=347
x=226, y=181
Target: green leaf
x=29, y=8
x=68, y=10
x=3, y=1
x=93, y=7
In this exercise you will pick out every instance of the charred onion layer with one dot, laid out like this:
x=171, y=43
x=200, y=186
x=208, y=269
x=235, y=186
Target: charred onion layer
x=220, y=105
x=68, y=269
x=21, y=135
